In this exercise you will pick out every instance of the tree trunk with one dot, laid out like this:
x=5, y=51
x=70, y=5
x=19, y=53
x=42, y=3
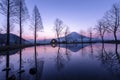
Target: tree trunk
x=66, y=38
x=8, y=23
x=102, y=39
x=90, y=37
x=82, y=40
x=20, y=17
x=35, y=35
x=59, y=41
x=58, y=38
x=115, y=36
x=35, y=31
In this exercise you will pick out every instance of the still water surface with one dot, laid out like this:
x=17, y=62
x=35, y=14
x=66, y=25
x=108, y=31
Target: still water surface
x=67, y=62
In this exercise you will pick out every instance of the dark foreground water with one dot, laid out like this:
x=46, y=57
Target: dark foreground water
x=67, y=62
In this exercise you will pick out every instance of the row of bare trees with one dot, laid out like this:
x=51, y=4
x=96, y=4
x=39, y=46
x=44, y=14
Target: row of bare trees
x=110, y=23
x=7, y=8
x=16, y=11
x=59, y=26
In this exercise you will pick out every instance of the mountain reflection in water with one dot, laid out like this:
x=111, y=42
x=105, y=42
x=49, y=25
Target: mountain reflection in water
x=67, y=62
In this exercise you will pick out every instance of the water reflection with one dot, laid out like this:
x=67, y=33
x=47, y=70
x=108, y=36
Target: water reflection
x=59, y=60
x=91, y=51
x=74, y=47
x=37, y=68
x=111, y=60
x=8, y=66
x=21, y=70
x=67, y=52
x=62, y=62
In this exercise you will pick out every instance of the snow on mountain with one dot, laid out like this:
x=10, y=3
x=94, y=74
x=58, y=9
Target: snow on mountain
x=72, y=37
x=75, y=37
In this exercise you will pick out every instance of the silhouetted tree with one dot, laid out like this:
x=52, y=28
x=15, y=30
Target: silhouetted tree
x=90, y=34
x=58, y=28
x=113, y=19
x=82, y=37
x=101, y=28
x=22, y=16
x=36, y=22
x=66, y=33
x=12, y=22
x=8, y=8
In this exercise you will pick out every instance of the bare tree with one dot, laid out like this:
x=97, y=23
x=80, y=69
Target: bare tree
x=58, y=28
x=36, y=22
x=90, y=34
x=22, y=16
x=101, y=28
x=81, y=35
x=8, y=8
x=66, y=33
x=12, y=22
x=113, y=19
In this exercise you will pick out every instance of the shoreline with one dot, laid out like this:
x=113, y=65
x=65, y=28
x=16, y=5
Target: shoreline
x=13, y=47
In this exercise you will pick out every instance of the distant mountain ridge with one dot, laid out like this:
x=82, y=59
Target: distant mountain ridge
x=75, y=34
x=14, y=39
x=72, y=37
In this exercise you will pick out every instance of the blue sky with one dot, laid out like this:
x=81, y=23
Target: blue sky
x=77, y=14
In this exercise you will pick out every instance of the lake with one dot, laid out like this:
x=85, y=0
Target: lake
x=67, y=62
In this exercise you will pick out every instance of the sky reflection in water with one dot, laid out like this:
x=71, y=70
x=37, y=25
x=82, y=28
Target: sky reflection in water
x=69, y=62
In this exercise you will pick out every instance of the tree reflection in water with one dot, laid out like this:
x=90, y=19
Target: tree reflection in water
x=91, y=51
x=59, y=60
x=111, y=60
x=21, y=71
x=62, y=58
x=9, y=69
x=37, y=68
x=67, y=53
